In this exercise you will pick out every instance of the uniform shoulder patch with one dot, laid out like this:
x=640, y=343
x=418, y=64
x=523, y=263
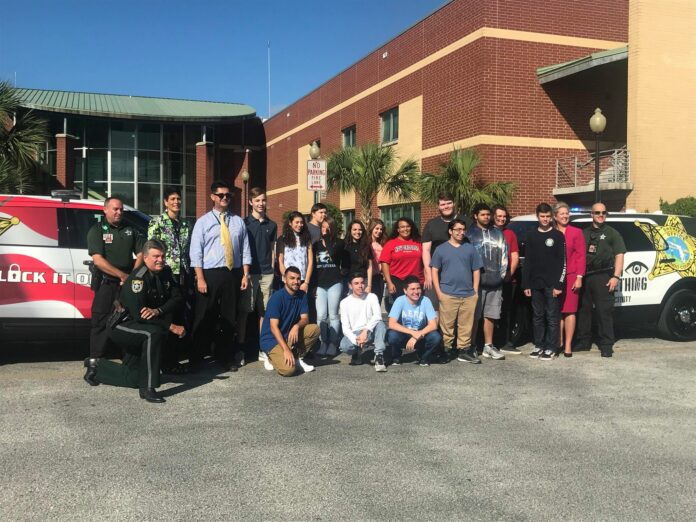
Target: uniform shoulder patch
x=137, y=285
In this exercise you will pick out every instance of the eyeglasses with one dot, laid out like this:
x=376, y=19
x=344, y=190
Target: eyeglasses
x=458, y=230
x=223, y=195
x=599, y=212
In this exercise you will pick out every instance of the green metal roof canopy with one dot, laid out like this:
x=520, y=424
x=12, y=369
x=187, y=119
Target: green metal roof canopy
x=561, y=70
x=132, y=107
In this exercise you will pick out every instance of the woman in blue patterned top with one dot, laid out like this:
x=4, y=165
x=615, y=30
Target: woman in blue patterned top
x=295, y=248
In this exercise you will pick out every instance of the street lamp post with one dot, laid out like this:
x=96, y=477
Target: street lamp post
x=314, y=152
x=598, y=122
x=245, y=193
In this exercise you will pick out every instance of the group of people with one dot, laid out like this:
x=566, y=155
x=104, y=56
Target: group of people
x=317, y=294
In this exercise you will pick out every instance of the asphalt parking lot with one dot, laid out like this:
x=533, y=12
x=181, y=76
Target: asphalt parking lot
x=572, y=439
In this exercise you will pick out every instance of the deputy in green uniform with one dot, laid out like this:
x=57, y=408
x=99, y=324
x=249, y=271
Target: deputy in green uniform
x=115, y=249
x=605, y=260
x=151, y=297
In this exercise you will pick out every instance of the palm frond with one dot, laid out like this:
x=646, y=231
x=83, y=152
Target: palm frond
x=368, y=170
x=457, y=177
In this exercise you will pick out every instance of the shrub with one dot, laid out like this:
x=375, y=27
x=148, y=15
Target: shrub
x=683, y=206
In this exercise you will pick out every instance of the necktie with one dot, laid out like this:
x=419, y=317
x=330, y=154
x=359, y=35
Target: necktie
x=226, y=242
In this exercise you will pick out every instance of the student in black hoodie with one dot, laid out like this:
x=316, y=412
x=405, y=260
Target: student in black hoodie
x=543, y=279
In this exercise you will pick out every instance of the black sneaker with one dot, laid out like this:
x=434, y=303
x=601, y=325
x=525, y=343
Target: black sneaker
x=548, y=355
x=536, y=352
x=511, y=349
x=396, y=362
x=423, y=363
x=607, y=352
x=453, y=354
x=356, y=359
x=469, y=356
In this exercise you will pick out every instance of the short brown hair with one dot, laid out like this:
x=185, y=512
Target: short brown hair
x=255, y=192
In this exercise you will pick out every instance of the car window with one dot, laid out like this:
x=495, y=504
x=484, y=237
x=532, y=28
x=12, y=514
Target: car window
x=81, y=220
x=520, y=228
x=689, y=225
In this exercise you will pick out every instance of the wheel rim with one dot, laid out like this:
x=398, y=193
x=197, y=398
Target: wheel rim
x=683, y=317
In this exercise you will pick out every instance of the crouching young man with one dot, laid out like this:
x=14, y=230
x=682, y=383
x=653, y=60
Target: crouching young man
x=286, y=335
x=361, y=321
x=151, y=297
x=413, y=324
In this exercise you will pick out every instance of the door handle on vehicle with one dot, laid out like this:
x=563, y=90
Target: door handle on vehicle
x=88, y=262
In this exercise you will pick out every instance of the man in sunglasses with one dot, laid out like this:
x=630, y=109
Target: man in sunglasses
x=221, y=258
x=605, y=259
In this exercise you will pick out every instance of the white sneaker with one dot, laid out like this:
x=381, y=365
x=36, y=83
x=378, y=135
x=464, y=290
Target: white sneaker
x=492, y=352
x=305, y=367
x=266, y=362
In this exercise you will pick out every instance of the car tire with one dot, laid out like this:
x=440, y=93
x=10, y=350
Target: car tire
x=678, y=318
x=521, y=324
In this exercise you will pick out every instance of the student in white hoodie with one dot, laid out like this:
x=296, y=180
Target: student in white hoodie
x=361, y=321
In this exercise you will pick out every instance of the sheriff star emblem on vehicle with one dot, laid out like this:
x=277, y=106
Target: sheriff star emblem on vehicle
x=137, y=285
x=675, y=249
x=7, y=223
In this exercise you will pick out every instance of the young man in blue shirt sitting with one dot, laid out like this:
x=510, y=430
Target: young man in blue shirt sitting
x=286, y=333
x=413, y=324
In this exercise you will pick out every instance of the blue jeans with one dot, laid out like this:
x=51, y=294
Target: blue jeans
x=546, y=310
x=424, y=347
x=376, y=337
x=329, y=321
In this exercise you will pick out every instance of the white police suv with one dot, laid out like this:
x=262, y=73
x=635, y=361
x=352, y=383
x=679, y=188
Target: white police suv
x=658, y=284
x=44, y=266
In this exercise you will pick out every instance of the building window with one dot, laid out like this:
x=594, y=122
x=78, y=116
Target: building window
x=349, y=137
x=390, y=125
x=348, y=216
x=393, y=212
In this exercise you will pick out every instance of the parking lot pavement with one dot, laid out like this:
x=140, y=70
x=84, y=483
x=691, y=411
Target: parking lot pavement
x=572, y=439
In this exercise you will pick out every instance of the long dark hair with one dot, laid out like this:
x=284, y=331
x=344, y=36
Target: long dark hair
x=331, y=234
x=365, y=243
x=289, y=233
x=373, y=225
x=415, y=234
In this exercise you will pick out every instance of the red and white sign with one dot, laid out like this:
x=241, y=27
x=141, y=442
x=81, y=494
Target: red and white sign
x=316, y=175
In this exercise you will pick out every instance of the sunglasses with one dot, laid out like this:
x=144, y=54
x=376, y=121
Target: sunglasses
x=599, y=212
x=224, y=195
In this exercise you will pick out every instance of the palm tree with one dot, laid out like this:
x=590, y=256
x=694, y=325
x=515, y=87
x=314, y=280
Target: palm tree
x=369, y=170
x=22, y=133
x=456, y=177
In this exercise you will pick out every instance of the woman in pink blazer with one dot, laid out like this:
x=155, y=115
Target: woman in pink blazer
x=575, y=270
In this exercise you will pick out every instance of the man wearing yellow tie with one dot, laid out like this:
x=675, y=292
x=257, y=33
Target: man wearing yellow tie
x=220, y=256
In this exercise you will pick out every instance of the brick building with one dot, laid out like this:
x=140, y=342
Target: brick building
x=467, y=75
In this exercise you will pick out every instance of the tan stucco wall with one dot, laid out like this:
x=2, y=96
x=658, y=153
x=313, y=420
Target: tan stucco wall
x=305, y=198
x=661, y=101
x=410, y=144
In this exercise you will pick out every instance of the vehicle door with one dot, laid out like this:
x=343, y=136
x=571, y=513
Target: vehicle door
x=639, y=286
x=35, y=272
x=78, y=222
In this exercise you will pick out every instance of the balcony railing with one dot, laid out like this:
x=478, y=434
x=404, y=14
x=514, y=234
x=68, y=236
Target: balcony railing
x=579, y=171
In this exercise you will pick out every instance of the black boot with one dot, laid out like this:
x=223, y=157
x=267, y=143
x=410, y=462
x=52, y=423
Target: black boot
x=91, y=373
x=151, y=395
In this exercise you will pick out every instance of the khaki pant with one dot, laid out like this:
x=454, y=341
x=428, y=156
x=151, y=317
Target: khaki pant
x=459, y=311
x=309, y=335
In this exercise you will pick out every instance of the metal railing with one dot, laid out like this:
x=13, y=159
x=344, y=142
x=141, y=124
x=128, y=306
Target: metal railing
x=579, y=171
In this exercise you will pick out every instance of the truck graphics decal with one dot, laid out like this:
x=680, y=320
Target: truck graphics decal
x=40, y=283
x=675, y=249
